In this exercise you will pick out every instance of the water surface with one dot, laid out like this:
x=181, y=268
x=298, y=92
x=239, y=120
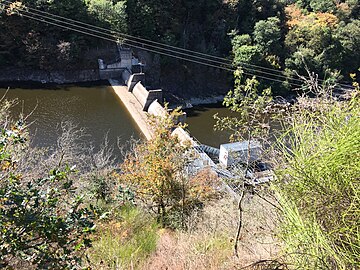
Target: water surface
x=200, y=120
x=95, y=108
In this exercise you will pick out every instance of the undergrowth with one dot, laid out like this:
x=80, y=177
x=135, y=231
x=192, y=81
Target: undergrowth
x=124, y=242
x=319, y=188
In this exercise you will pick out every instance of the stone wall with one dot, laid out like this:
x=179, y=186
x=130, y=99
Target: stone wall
x=109, y=73
x=42, y=76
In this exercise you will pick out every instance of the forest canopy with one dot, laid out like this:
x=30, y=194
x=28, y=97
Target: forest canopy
x=322, y=36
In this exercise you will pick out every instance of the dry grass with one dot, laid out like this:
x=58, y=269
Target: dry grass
x=208, y=244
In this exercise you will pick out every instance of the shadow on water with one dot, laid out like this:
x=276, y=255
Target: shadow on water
x=201, y=122
x=198, y=110
x=35, y=85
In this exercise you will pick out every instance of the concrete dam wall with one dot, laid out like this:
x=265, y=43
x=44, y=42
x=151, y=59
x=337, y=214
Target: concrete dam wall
x=142, y=103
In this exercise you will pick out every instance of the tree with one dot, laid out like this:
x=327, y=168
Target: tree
x=250, y=105
x=244, y=51
x=159, y=173
x=348, y=36
x=110, y=13
x=312, y=43
x=267, y=34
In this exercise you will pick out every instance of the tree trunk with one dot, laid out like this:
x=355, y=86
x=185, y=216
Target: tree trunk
x=240, y=221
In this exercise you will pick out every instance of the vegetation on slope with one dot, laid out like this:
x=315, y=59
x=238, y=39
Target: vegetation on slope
x=318, y=184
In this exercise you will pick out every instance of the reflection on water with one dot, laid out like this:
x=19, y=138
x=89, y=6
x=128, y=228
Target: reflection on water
x=100, y=112
x=200, y=120
x=95, y=108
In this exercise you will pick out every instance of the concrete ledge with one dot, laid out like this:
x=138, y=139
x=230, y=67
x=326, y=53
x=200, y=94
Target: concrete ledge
x=133, y=106
x=153, y=95
x=134, y=79
x=183, y=136
x=106, y=74
x=156, y=109
x=141, y=94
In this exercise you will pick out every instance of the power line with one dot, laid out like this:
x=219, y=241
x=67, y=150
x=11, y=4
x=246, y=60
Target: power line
x=139, y=47
x=159, y=48
x=122, y=35
x=179, y=48
x=130, y=43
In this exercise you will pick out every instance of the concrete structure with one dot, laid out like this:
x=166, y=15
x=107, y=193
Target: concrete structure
x=141, y=103
x=134, y=79
x=146, y=97
x=156, y=109
x=184, y=137
x=238, y=152
x=117, y=68
x=109, y=73
x=133, y=106
x=126, y=58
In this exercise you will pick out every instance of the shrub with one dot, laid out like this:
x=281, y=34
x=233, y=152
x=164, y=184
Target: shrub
x=124, y=242
x=42, y=221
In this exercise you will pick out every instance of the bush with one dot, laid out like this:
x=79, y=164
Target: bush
x=158, y=173
x=42, y=221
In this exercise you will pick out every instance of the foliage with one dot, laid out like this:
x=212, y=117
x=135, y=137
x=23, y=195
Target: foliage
x=249, y=103
x=318, y=183
x=267, y=34
x=322, y=35
x=108, y=12
x=318, y=40
x=42, y=221
x=156, y=172
x=125, y=242
x=244, y=51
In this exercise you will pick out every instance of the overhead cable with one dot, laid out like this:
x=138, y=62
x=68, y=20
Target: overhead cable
x=140, y=45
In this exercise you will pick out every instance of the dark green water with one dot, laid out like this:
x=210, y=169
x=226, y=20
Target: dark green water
x=95, y=108
x=201, y=123
x=200, y=120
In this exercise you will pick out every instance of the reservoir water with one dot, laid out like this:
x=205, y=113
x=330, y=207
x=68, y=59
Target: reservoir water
x=101, y=113
x=200, y=121
x=95, y=108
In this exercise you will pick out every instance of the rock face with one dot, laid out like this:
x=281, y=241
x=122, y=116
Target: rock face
x=58, y=77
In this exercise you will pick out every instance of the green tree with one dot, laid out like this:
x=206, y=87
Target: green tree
x=244, y=51
x=250, y=12
x=313, y=43
x=322, y=6
x=267, y=34
x=348, y=36
x=109, y=13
